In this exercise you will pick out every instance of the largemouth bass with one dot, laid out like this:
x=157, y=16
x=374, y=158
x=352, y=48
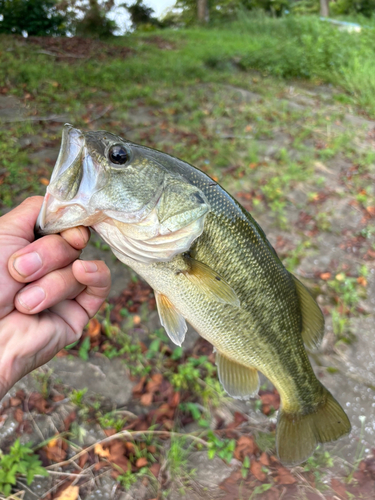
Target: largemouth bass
x=210, y=264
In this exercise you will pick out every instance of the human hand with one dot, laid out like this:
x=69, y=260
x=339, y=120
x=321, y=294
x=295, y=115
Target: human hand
x=47, y=296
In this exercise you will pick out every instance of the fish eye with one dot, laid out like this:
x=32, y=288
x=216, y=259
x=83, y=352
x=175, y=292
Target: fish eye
x=118, y=155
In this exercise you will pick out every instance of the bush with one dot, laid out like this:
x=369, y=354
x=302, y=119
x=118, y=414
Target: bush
x=95, y=22
x=35, y=17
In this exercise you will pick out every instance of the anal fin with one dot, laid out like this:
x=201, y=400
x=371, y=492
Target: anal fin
x=312, y=317
x=173, y=322
x=239, y=381
x=210, y=283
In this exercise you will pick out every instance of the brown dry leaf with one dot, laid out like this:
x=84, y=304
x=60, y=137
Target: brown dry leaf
x=256, y=470
x=339, y=488
x=325, y=276
x=146, y=399
x=83, y=459
x=264, y=460
x=361, y=280
x=245, y=446
x=138, y=388
x=109, y=432
x=70, y=493
x=371, y=210
x=136, y=320
x=101, y=452
x=94, y=328
x=18, y=415
x=55, y=450
x=69, y=420
x=141, y=462
x=155, y=469
x=44, y=181
x=58, y=397
x=14, y=401
x=37, y=401
x=284, y=476
x=154, y=384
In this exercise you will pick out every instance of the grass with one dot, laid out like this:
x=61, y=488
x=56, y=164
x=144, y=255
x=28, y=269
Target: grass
x=183, y=100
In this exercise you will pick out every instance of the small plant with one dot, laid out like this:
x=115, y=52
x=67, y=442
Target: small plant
x=21, y=460
x=223, y=448
x=258, y=490
x=84, y=349
x=77, y=397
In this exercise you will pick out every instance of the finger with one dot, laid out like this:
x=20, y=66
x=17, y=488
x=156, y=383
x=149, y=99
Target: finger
x=98, y=284
x=41, y=257
x=48, y=291
x=77, y=237
x=20, y=221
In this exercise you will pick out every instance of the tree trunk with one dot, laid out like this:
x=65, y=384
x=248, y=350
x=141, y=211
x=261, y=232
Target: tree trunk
x=324, y=8
x=203, y=16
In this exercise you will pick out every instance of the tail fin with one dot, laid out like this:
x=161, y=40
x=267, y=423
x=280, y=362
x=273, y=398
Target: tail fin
x=298, y=435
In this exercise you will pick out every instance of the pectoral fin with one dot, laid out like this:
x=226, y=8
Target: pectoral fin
x=210, y=283
x=312, y=317
x=239, y=381
x=173, y=322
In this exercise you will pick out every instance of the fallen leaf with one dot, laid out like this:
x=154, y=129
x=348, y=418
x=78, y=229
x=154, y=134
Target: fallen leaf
x=136, y=320
x=15, y=401
x=83, y=459
x=56, y=450
x=18, y=415
x=141, y=462
x=361, y=280
x=44, y=181
x=94, y=328
x=371, y=210
x=70, y=493
x=284, y=476
x=256, y=470
x=325, y=276
x=101, y=452
x=146, y=399
x=339, y=488
x=245, y=446
x=155, y=469
x=264, y=460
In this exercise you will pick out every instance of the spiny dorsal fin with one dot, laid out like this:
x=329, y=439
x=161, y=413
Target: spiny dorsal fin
x=173, y=322
x=312, y=317
x=239, y=381
x=210, y=283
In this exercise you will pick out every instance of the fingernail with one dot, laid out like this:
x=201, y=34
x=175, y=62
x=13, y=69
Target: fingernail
x=90, y=267
x=28, y=264
x=31, y=297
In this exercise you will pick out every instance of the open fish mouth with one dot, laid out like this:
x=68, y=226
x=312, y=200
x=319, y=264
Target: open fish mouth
x=74, y=179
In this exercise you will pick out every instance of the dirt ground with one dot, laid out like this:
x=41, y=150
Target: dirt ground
x=324, y=230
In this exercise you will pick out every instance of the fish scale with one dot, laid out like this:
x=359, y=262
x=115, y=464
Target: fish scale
x=209, y=263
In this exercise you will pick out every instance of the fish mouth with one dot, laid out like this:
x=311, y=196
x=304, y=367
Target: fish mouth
x=74, y=179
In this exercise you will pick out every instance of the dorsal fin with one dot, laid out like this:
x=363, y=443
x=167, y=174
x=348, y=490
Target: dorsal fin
x=312, y=316
x=173, y=322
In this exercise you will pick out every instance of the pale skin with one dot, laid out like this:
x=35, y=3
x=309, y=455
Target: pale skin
x=47, y=295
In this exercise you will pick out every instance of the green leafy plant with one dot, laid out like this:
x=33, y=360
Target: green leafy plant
x=223, y=448
x=20, y=460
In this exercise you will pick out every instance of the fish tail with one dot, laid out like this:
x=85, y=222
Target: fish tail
x=299, y=434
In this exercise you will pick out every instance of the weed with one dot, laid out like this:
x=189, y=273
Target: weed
x=76, y=397
x=258, y=490
x=222, y=447
x=84, y=349
x=20, y=460
x=317, y=465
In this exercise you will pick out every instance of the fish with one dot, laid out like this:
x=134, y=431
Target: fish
x=210, y=264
